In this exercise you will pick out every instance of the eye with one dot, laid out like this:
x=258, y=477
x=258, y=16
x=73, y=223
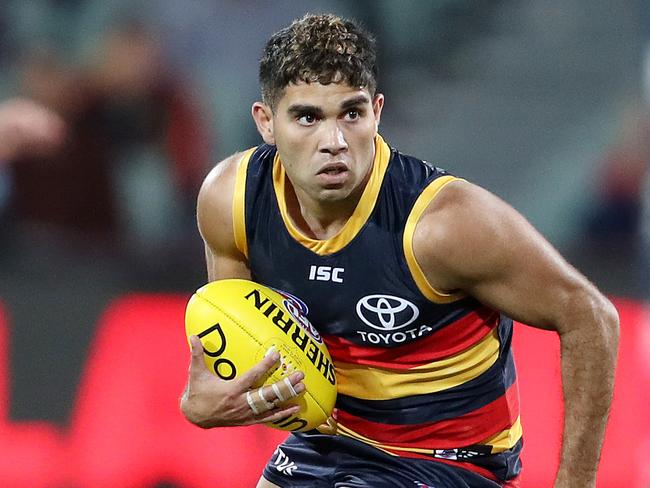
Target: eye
x=352, y=115
x=307, y=119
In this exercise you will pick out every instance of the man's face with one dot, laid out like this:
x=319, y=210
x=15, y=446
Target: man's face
x=325, y=138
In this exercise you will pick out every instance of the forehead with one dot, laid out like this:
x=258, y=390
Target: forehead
x=327, y=96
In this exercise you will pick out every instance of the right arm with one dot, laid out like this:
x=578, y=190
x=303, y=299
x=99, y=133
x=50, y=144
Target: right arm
x=209, y=401
x=215, y=220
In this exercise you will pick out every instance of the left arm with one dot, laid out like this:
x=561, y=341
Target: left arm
x=470, y=240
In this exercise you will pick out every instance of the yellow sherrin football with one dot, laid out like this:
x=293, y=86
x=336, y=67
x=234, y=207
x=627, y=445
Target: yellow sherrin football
x=239, y=320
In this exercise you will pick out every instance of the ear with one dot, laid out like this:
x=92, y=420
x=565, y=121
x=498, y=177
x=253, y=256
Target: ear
x=263, y=116
x=377, y=106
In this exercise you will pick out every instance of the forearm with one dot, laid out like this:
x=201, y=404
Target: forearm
x=589, y=351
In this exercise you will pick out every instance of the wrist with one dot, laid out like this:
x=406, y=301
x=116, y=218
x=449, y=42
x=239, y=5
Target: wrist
x=196, y=414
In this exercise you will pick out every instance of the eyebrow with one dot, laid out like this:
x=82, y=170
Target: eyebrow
x=301, y=109
x=354, y=102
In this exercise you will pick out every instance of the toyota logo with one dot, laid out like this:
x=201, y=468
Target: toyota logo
x=386, y=312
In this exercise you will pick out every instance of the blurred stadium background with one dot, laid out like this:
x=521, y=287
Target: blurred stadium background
x=544, y=102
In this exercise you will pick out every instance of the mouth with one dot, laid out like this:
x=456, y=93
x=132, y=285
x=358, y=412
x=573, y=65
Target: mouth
x=333, y=174
x=333, y=169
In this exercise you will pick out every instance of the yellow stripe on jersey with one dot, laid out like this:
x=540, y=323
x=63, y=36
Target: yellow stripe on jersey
x=368, y=383
x=239, y=204
x=420, y=206
x=505, y=439
x=361, y=214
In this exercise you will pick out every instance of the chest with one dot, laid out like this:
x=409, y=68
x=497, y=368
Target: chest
x=363, y=293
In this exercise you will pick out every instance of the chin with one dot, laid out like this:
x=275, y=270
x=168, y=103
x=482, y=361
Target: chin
x=334, y=194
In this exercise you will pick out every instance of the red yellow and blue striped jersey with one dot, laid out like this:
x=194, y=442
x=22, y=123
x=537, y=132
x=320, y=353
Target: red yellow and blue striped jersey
x=421, y=373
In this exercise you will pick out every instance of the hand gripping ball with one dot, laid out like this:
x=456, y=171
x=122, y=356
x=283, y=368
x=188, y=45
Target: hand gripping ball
x=238, y=321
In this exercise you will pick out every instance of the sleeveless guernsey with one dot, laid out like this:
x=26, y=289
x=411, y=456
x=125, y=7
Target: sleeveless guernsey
x=421, y=373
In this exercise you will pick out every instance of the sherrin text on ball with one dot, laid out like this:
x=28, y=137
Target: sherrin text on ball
x=238, y=321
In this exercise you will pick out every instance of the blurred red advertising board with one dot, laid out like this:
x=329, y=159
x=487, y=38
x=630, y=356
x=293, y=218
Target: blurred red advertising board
x=126, y=430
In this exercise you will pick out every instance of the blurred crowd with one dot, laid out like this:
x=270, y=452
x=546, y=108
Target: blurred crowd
x=617, y=225
x=107, y=132
x=109, y=153
x=621, y=208
x=104, y=141
x=109, y=135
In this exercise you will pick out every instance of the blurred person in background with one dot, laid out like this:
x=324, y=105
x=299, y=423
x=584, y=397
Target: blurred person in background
x=66, y=193
x=616, y=218
x=135, y=153
x=618, y=222
x=26, y=129
x=160, y=137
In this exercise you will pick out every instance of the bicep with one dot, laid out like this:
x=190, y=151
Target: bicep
x=215, y=222
x=528, y=280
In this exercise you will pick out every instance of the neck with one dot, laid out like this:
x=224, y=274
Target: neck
x=318, y=220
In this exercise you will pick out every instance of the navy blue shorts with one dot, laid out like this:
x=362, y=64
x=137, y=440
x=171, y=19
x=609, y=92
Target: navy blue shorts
x=313, y=460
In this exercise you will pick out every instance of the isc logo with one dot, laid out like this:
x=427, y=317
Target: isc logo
x=326, y=273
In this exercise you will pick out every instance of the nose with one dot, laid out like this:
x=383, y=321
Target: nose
x=333, y=140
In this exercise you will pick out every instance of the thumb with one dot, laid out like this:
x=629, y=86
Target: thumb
x=197, y=363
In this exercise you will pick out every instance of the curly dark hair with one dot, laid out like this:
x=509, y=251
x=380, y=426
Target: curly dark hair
x=318, y=48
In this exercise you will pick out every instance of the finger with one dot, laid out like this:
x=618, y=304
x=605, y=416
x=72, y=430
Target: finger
x=258, y=402
x=257, y=372
x=328, y=427
x=288, y=387
x=278, y=414
x=266, y=398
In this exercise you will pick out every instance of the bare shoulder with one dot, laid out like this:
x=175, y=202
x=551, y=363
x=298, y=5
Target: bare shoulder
x=214, y=206
x=472, y=241
x=468, y=234
x=463, y=215
x=219, y=180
